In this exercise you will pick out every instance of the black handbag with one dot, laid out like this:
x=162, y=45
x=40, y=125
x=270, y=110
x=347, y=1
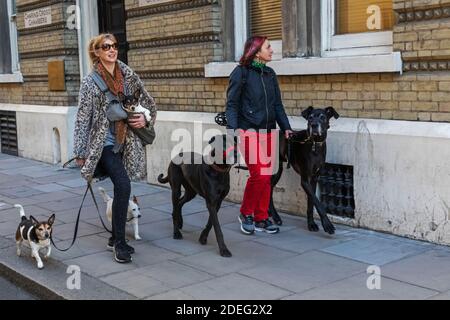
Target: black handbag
x=147, y=135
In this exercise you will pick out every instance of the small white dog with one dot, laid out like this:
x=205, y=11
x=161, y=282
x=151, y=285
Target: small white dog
x=133, y=215
x=36, y=233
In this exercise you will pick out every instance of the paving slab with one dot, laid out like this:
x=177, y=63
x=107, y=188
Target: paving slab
x=375, y=250
x=174, y=275
x=430, y=269
x=245, y=255
x=294, y=264
x=305, y=271
x=355, y=288
x=234, y=287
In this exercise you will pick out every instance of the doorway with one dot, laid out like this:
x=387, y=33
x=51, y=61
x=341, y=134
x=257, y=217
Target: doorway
x=112, y=19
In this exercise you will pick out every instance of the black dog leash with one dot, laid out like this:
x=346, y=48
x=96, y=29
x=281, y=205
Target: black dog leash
x=289, y=153
x=75, y=233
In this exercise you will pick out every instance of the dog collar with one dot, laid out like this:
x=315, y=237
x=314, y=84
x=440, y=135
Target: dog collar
x=220, y=169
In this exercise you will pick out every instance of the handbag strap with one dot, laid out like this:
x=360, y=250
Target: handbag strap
x=101, y=84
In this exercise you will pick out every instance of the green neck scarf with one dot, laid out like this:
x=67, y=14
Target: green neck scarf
x=258, y=64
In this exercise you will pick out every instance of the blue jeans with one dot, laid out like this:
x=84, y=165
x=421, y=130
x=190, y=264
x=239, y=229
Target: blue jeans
x=111, y=164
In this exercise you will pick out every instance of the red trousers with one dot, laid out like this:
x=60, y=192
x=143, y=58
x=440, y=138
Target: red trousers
x=257, y=149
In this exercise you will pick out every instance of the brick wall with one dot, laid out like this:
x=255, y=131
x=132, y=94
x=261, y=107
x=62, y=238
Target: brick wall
x=38, y=46
x=419, y=94
x=170, y=43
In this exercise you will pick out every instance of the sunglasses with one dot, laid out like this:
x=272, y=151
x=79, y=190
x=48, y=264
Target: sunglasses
x=107, y=46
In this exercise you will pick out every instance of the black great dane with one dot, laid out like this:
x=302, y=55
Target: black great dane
x=209, y=178
x=306, y=152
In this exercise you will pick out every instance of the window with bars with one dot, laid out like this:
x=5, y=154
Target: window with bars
x=336, y=190
x=8, y=133
x=9, y=60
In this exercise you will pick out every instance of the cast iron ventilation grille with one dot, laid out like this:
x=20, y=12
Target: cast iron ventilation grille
x=336, y=190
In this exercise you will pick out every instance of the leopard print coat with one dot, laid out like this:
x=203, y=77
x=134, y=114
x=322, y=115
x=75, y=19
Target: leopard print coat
x=91, y=127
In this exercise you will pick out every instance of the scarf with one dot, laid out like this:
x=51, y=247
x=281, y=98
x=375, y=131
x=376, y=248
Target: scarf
x=258, y=64
x=116, y=85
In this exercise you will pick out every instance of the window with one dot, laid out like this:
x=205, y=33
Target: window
x=265, y=18
x=258, y=17
x=318, y=36
x=9, y=57
x=363, y=15
x=356, y=27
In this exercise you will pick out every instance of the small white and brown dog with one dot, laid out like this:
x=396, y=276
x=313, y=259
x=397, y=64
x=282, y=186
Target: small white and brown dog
x=37, y=234
x=133, y=215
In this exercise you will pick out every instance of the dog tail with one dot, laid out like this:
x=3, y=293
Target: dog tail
x=105, y=196
x=163, y=180
x=22, y=212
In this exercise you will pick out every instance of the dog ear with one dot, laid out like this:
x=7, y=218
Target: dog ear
x=121, y=96
x=331, y=113
x=51, y=220
x=135, y=200
x=33, y=219
x=306, y=113
x=137, y=94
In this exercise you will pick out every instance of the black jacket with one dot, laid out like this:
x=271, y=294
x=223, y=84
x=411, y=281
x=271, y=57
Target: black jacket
x=254, y=100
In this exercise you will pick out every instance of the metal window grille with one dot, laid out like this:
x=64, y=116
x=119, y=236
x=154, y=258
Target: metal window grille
x=8, y=133
x=336, y=190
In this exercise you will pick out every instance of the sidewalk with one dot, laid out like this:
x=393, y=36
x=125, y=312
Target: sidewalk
x=294, y=264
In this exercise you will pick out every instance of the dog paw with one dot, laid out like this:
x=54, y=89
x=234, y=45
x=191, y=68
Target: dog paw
x=277, y=221
x=328, y=227
x=137, y=238
x=313, y=227
x=225, y=253
x=203, y=241
x=177, y=235
x=40, y=266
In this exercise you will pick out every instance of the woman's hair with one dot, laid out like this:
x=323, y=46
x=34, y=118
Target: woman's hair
x=96, y=43
x=252, y=47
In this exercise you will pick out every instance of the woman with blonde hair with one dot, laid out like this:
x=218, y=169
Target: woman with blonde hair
x=107, y=148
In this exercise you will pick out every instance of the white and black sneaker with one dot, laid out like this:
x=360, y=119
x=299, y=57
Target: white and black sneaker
x=266, y=226
x=247, y=224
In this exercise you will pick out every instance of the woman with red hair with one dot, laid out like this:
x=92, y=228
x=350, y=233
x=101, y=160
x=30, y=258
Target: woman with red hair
x=254, y=107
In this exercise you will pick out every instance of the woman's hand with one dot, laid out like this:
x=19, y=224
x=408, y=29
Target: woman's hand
x=80, y=162
x=138, y=121
x=288, y=133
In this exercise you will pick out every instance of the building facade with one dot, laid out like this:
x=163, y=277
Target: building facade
x=384, y=65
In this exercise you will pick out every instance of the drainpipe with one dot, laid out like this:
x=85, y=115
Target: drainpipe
x=88, y=29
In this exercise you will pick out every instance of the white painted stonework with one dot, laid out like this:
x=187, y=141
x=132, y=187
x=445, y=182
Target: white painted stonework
x=401, y=172
x=35, y=131
x=391, y=62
